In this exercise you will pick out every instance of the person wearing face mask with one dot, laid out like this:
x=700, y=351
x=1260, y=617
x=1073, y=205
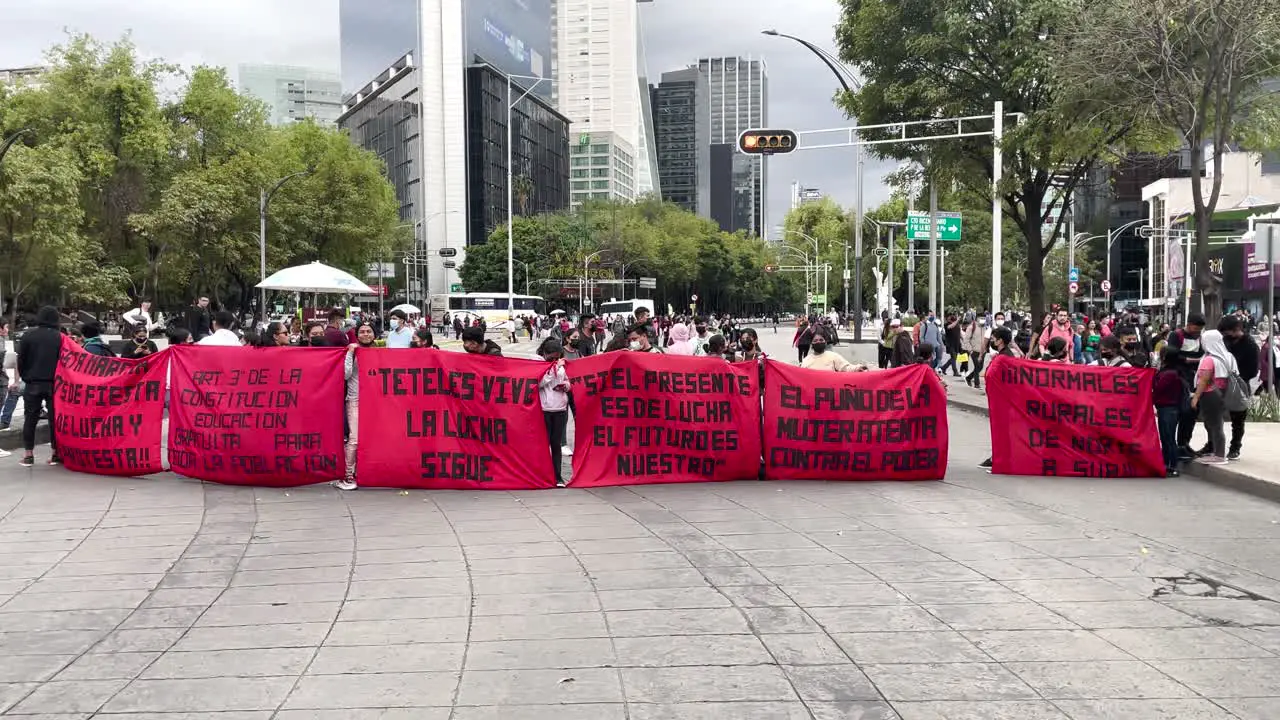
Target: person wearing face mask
x=1001, y=343
x=422, y=339
x=749, y=344
x=140, y=346
x=314, y=336
x=1186, y=340
x=700, y=337
x=930, y=331
x=904, y=349
x=1209, y=399
x=820, y=359
x=401, y=332
x=638, y=340
x=1111, y=353
x=334, y=335
x=1247, y=354
x=1055, y=351
x=351, y=371
x=553, y=392
x=802, y=339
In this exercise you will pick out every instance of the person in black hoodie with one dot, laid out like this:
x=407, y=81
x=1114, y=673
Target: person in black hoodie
x=1242, y=346
x=38, y=352
x=474, y=342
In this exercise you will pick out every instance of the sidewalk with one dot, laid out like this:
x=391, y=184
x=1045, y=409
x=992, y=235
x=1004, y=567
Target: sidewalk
x=1254, y=473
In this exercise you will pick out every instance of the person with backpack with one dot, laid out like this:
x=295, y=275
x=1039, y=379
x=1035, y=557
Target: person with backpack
x=93, y=342
x=1246, y=353
x=1213, y=379
x=1169, y=395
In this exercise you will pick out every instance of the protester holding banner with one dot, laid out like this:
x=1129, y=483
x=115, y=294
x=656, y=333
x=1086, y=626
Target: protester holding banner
x=553, y=392
x=1000, y=343
x=364, y=339
x=1187, y=340
x=1055, y=351
x=1111, y=353
x=422, y=339
x=140, y=347
x=749, y=343
x=638, y=339
x=820, y=359
x=474, y=342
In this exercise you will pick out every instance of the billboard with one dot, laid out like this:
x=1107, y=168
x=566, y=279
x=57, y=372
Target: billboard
x=512, y=35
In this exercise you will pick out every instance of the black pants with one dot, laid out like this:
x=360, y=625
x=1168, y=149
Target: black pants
x=804, y=350
x=976, y=375
x=36, y=396
x=1186, y=426
x=951, y=362
x=1237, y=432
x=883, y=356
x=557, y=422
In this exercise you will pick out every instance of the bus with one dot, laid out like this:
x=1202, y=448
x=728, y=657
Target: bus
x=625, y=308
x=492, y=307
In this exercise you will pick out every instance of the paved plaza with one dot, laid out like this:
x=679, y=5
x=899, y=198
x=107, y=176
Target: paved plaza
x=977, y=598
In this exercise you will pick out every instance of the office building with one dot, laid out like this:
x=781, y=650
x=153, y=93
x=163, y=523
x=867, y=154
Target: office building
x=600, y=77
x=443, y=39
x=294, y=93
x=602, y=166
x=738, y=101
x=682, y=139
x=540, y=154
x=384, y=116
x=803, y=195
x=26, y=76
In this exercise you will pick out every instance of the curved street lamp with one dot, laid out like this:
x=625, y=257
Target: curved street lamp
x=848, y=81
x=9, y=141
x=264, y=199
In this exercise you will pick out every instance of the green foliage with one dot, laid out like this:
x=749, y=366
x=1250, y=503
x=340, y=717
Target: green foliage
x=687, y=254
x=927, y=59
x=149, y=182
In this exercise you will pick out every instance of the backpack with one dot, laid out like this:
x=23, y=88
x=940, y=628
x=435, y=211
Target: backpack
x=1237, y=396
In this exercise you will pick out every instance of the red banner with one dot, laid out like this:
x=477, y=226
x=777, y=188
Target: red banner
x=1072, y=420
x=653, y=418
x=256, y=416
x=880, y=425
x=431, y=419
x=108, y=412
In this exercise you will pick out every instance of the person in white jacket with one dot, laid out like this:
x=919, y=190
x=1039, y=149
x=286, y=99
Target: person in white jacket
x=553, y=391
x=141, y=317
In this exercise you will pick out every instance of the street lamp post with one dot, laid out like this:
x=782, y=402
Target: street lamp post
x=586, y=281
x=9, y=141
x=264, y=199
x=845, y=77
x=525, y=265
x=816, y=254
x=511, y=192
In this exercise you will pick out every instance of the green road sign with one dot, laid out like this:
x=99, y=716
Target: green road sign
x=949, y=224
x=584, y=139
x=455, y=288
x=818, y=299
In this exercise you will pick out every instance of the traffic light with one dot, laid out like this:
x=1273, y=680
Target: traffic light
x=767, y=142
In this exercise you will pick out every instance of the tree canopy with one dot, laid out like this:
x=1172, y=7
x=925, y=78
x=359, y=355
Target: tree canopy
x=938, y=59
x=135, y=178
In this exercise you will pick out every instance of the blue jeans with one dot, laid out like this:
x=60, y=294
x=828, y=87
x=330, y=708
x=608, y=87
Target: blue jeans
x=8, y=403
x=1167, y=421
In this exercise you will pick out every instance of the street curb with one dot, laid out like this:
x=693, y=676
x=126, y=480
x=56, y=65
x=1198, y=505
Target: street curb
x=11, y=439
x=1219, y=475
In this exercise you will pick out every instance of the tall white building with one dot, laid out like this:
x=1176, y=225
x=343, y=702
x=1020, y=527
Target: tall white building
x=294, y=93
x=600, y=82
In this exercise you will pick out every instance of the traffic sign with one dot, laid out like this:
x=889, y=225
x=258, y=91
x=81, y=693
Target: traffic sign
x=1073, y=288
x=949, y=226
x=455, y=287
x=380, y=269
x=771, y=268
x=1073, y=275
x=447, y=252
x=1106, y=286
x=694, y=298
x=378, y=289
x=449, y=264
x=648, y=283
x=819, y=299
x=809, y=298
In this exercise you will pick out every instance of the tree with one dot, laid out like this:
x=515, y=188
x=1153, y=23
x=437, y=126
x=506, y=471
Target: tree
x=955, y=58
x=42, y=246
x=1193, y=69
x=523, y=189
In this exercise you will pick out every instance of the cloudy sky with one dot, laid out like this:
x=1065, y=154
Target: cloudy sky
x=305, y=32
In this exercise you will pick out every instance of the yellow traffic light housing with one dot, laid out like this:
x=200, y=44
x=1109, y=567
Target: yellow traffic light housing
x=767, y=142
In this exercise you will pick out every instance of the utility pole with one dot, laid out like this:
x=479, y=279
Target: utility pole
x=933, y=245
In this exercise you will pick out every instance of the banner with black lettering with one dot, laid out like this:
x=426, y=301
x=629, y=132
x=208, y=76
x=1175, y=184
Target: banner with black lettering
x=256, y=416
x=109, y=412
x=878, y=425
x=1056, y=419
x=653, y=418
x=442, y=420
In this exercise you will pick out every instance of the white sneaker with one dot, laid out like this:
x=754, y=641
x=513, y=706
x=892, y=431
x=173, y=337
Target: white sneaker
x=345, y=484
x=566, y=451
